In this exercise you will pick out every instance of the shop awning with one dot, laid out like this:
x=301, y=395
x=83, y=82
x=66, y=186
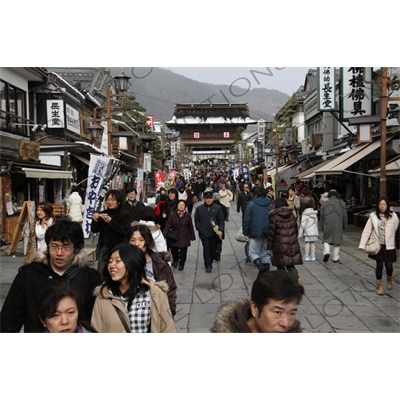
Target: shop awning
x=82, y=159
x=45, y=173
x=392, y=168
x=309, y=173
x=339, y=165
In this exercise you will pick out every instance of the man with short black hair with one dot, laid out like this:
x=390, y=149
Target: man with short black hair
x=133, y=205
x=64, y=259
x=209, y=219
x=275, y=296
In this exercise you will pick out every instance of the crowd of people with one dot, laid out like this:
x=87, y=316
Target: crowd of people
x=140, y=247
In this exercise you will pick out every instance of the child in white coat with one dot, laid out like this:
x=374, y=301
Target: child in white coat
x=309, y=231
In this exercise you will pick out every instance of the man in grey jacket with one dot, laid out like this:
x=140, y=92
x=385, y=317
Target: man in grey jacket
x=333, y=220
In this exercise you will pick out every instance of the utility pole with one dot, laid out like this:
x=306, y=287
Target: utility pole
x=384, y=102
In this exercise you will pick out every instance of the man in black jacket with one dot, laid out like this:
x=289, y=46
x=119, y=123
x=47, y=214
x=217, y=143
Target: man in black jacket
x=64, y=259
x=133, y=205
x=209, y=219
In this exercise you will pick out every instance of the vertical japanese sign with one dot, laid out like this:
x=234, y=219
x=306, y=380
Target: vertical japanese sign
x=186, y=174
x=326, y=89
x=159, y=180
x=55, y=114
x=139, y=182
x=356, y=92
x=73, y=123
x=101, y=173
x=147, y=162
x=170, y=180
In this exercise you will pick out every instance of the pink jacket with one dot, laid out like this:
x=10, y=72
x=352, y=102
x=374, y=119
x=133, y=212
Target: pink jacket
x=371, y=229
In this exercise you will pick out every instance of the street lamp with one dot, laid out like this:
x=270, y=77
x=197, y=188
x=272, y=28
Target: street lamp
x=121, y=86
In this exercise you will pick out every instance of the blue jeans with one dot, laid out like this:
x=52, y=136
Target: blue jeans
x=258, y=249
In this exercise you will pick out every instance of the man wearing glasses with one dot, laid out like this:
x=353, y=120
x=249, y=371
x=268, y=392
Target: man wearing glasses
x=64, y=259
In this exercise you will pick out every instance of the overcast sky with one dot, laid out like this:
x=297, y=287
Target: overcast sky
x=286, y=80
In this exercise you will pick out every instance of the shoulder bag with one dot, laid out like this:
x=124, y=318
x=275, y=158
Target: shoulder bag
x=373, y=245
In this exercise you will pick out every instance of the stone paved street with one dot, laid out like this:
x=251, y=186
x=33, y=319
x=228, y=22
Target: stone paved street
x=338, y=297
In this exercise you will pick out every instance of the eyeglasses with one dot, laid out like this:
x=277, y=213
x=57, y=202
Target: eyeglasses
x=63, y=249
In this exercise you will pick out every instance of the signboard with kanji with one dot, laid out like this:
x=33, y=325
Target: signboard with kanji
x=326, y=89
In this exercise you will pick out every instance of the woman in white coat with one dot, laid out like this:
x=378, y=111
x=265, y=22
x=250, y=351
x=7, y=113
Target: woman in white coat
x=75, y=206
x=382, y=225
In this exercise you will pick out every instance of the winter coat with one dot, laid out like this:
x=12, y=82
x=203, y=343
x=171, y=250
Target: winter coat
x=282, y=238
x=202, y=218
x=256, y=218
x=232, y=317
x=21, y=307
x=182, y=195
x=106, y=320
x=190, y=194
x=226, y=197
x=75, y=207
x=112, y=233
x=371, y=230
x=133, y=209
x=309, y=223
x=182, y=224
x=243, y=199
x=155, y=229
x=303, y=203
x=333, y=220
x=163, y=272
x=295, y=205
x=40, y=233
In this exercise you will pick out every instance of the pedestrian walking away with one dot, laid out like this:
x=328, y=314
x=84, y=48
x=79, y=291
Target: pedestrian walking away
x=309, y=231
x=283, y=239
x=272, y=308
x=64, y=259
x=333, y=221
x=210, y=224
x=381, y=226
x=255, y=229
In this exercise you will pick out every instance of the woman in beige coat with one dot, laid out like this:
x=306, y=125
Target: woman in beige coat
x=382, y=225
x=127, y=301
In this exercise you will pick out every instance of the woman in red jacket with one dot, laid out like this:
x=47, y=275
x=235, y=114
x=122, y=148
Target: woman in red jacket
x=181, y=221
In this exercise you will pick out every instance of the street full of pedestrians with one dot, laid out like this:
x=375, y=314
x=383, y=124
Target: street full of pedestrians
x=340, y=297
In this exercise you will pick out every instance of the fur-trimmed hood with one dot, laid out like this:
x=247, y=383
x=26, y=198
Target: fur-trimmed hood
x=232, y=318
x=281, y=210
x=42, y=256
x=153, y=227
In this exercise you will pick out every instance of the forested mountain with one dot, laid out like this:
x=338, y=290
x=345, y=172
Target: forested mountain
x=159, y=89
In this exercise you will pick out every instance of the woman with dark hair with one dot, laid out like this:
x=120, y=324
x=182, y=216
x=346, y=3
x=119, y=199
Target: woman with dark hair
x=283, y=238
x=60, y=311
x=382, y=225
x=156, y=268
x=112, y=224
x=191, y=198
x=170, y=205
x=44, y=219
x=181, y=221
x=306, y=198
x=127, y=301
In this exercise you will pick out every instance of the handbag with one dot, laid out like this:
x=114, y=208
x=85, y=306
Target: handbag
x=373, y=245
x=173, y=236
x=239, y=236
